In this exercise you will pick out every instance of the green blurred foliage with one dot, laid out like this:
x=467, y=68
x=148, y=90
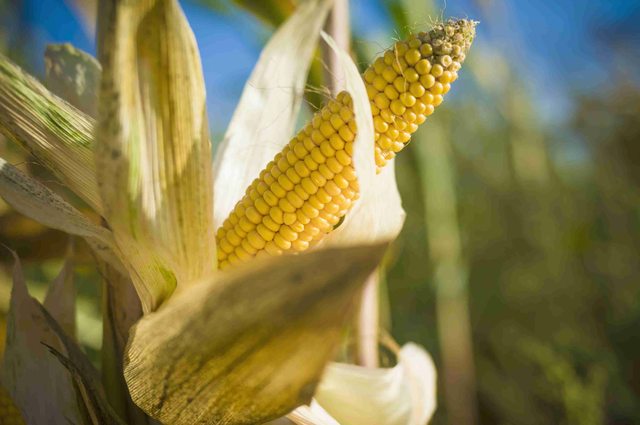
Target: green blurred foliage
x=551, y=249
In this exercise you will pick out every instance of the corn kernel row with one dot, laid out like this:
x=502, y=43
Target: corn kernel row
x=301, y=195
x=308, y=187
x=409, y=81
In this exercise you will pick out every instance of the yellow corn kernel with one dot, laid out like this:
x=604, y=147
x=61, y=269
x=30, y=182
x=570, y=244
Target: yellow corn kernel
x=305, y=191
x=302, y=185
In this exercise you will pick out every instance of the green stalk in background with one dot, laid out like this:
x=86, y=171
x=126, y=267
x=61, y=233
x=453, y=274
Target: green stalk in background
x=450, y=276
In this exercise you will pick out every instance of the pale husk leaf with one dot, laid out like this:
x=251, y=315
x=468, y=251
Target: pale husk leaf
x=264, y=120
x=39, y=203
x=153, y=153
x=402, y=395
x=40, y=386
x=56, y=133
x=377, y=214
x=313, y=414
x=251, y=346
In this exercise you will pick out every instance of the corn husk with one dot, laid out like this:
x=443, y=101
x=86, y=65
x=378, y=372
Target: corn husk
x=402, y=395
x=96, y=408
x=378, y=213
x=36, y=201
x=153, y=154
x=312, y=414
x=241, y=352
x=250, y=347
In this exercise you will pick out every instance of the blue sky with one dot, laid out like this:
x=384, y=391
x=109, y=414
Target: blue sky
x=557, y=47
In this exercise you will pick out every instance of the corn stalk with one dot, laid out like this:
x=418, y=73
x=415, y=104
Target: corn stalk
x=450, y=276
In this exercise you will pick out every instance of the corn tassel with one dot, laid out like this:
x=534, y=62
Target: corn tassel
x=308, y=187
x=9, y=413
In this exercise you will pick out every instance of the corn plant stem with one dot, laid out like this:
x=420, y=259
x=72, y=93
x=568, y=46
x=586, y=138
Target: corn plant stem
x=368, y=323
x=450, y=276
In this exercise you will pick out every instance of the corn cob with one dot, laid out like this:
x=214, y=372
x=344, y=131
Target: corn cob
x=308, y=187
x=9, y=413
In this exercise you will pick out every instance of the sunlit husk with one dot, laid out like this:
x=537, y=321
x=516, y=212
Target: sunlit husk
x=250, y=347
x=312, y=414
x=65, y=145
x=402, y=395
x=153, y=154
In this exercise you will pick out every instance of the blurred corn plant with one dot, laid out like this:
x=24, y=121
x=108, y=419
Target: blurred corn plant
x=183, y=341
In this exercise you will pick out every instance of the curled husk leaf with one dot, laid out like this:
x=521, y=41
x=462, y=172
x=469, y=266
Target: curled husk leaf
x=312, y=414
x=36, y=201
x=402, y=395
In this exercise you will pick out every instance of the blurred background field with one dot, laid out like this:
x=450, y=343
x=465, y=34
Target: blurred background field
x=518, y=266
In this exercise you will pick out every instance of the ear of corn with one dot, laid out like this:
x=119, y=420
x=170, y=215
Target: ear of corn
x=300, y=195
x=308, y=187
x=409, y=81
